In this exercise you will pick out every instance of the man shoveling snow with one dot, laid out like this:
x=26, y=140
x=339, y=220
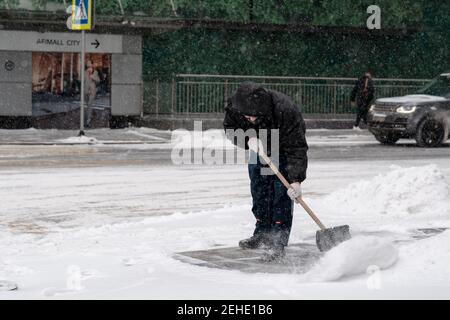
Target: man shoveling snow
x=254, y=107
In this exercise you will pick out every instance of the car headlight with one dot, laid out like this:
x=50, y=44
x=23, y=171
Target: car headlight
x=372, y=107
x=406, y=109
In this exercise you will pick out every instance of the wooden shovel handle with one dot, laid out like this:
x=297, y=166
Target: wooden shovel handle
x=288, y=185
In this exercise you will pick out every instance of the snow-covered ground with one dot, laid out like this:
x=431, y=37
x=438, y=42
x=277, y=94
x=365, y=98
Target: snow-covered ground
x=111, y=231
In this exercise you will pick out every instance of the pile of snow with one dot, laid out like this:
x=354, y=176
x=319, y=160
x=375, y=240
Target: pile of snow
x=79, y=139
x=8, y=269
x=353, y=257
x=400, y=191
x=425, y=261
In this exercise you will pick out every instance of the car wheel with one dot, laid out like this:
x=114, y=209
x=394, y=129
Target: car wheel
x=431, y=133
x=387, y=138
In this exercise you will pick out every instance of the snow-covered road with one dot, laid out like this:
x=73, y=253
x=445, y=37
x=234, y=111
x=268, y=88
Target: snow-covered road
x=110, y=230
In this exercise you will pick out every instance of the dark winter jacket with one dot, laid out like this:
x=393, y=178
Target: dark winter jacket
x=275, y=111
x=363, y=93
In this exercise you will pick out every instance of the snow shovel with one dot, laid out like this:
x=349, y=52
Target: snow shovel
x=326, y=238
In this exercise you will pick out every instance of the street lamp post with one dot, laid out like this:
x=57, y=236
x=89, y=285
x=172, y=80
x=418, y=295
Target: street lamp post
x=81, y=18
x=83, y=53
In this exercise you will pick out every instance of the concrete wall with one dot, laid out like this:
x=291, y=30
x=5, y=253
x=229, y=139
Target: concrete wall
x=126, y=78
x=15, y=84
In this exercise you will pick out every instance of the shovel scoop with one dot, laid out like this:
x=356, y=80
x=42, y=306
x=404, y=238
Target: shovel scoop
x=331, y=237
x=326, y=238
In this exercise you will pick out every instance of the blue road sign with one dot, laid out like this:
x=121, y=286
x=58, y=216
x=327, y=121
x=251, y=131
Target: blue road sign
x=82, y=14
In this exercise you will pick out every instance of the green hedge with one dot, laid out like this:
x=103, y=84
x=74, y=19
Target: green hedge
x=422, y=55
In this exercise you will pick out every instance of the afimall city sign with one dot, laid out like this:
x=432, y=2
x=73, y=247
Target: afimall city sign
x=59, y=42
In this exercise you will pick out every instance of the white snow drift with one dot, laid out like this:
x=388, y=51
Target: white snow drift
x=400, y=191
x=354, y=257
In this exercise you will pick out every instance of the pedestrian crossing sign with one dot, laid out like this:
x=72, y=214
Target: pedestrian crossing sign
x=82, y=14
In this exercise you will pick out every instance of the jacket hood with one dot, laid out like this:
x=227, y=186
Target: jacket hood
x=252, y=99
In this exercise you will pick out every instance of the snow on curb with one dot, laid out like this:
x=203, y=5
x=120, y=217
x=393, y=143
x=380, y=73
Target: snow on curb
x=401, y=191
x=80, y=139
x=353, y=257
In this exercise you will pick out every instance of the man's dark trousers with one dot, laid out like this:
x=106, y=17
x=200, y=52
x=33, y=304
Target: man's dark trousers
x=272, y=207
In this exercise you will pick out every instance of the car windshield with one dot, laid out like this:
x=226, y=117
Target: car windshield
x=439, y=86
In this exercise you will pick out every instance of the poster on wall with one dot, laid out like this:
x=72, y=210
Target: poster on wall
x=56, y=88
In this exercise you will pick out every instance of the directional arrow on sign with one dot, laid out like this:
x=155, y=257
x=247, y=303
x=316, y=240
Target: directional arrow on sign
x=96, y=43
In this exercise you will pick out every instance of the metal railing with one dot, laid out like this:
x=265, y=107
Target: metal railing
x=189, y=93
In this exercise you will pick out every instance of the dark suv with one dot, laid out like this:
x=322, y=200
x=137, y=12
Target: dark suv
x=423, y=116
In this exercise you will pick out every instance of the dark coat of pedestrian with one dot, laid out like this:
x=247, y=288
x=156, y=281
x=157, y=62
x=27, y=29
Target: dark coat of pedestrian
x=362, y=95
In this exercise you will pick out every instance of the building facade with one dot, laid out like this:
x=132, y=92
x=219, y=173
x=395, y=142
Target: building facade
x=40, y=77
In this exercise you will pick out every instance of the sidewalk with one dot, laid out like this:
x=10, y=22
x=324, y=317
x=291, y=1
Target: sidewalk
x=70, y=137
x=128, y=136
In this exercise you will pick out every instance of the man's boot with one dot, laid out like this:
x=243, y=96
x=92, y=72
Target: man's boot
x=256, y=241
x=260, y=237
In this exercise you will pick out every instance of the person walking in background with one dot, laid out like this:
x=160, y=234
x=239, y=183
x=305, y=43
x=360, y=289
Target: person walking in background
x=90, y=84
x=362, y=95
